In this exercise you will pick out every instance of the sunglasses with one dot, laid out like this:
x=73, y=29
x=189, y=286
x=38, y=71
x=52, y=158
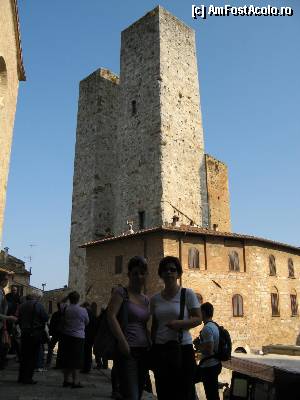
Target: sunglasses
x=170, y=269
x=139, y=273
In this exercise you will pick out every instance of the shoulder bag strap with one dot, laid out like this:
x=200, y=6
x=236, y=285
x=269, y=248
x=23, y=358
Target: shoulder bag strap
x=181, y=312
x=124, y=310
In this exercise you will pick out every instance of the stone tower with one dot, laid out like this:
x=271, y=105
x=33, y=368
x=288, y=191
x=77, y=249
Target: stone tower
x=139, y=147
x=11, y=72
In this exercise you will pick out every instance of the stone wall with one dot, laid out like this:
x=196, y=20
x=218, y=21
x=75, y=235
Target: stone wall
x=9, y=84
x=94, y=166
x=218, y=194
x=139, y=177
x=182, y=144
x=213, y=280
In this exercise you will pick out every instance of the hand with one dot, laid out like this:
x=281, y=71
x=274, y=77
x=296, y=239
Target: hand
x=175, y=325
x=12, y=318
x=124, y=348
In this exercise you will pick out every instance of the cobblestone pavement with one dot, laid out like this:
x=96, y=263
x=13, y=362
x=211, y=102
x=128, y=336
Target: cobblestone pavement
x=49, y=386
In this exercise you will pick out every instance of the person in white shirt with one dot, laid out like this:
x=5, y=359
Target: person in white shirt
x=173, y=354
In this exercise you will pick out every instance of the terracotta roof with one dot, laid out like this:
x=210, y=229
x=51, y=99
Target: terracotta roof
x=21, y=70
x=190, y=230
x=187, y=229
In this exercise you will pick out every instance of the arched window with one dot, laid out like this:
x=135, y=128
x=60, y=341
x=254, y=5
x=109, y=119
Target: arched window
x=200, y=298
x=272, y=265
x=234, y=264
x=275, y=302
x=237, y=305
x=291, y=268
x=3, y=82
x=294, y=303
x=193, y=258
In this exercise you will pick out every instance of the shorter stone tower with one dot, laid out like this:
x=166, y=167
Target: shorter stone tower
x=139, y=143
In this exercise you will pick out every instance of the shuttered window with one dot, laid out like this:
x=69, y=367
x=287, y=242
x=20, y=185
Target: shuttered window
x=194, y=261
x=234, y=264
x=291, y=268
x=237, y=305
x=275, y=302
x=272, y=265
x=294, y=304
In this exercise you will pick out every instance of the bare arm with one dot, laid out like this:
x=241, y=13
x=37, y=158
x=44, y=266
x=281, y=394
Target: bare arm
x=194, y=320
x=8, y=317
x=206, y=348
x=113, y=308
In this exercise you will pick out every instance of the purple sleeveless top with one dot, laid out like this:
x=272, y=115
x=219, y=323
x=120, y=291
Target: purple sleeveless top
x=138, y=315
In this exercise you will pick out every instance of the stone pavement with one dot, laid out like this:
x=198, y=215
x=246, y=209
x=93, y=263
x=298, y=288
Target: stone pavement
x=49, y=386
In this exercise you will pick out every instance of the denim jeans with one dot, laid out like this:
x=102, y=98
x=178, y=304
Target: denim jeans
x=132, y=372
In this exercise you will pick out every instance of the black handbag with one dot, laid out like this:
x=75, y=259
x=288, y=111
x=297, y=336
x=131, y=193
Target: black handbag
x=105, y=344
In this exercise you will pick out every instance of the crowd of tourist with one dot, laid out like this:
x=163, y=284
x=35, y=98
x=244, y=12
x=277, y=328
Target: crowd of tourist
x=141, y=334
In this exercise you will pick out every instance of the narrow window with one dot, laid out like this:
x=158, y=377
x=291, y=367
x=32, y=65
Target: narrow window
x=237, y=305
x=291, y=268
x=133, y=107
x=50, y=307
x=275, y=302
x=193, y=258
x=141, y=219
x=234, y=264
x=294, y=304
x=272, y=265
x=118, y=264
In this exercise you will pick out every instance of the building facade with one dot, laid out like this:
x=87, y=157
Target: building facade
x=139, y=143
x=11, y=72
x=253, y=283
x=18, y=275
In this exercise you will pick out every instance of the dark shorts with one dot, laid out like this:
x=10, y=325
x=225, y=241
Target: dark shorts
x=70, y=352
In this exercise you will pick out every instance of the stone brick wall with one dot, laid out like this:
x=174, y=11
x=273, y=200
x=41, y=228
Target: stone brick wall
x=218, y=194
x=139, y=176
x=94, y=168
x=9, y=84
x=213, y=280
x=182, y=144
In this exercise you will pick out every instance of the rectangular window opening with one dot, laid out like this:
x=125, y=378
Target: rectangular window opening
x=118, y=264
x=142, y=215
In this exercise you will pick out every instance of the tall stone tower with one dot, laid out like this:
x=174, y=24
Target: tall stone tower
x=139, y=148
x=11, y=72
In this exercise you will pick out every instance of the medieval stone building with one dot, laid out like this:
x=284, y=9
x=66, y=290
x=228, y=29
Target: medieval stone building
x=143, y=185
x=139, y=143
x=11, y=72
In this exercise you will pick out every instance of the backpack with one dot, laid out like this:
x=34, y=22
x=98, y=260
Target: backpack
x=225, y=345
x=105, y=344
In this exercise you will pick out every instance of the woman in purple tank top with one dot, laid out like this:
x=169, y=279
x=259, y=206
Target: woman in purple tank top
x=133, y=339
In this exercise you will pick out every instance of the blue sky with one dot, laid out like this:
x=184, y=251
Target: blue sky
x=250, y=99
